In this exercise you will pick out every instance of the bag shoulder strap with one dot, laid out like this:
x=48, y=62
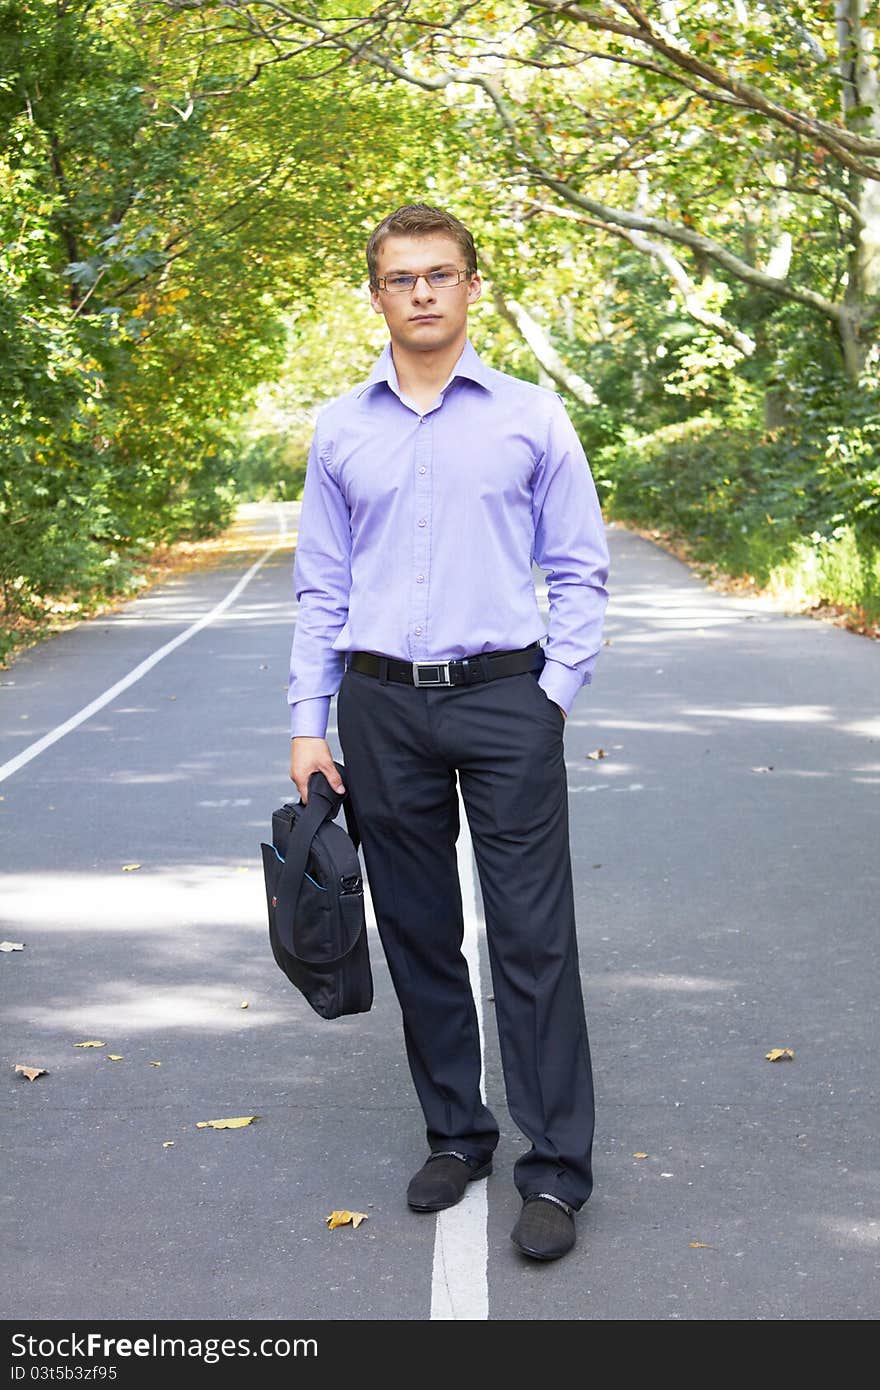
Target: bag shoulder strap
x=323, y=804
x=335, y=798
x=347, y=806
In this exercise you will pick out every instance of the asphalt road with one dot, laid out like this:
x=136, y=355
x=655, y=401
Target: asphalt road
x=723, y=910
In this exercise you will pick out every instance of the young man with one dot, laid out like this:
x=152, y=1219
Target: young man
x=430, y=488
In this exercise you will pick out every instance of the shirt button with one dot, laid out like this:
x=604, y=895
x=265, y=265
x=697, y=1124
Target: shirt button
x=422, y=522
x=418, y=629
x=423, y=470
x=420, y=579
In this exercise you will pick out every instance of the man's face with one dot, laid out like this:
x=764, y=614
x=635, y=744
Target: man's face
x=424, y=319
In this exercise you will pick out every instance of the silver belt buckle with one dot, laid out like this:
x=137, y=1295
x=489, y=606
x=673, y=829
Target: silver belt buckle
x=440, y=667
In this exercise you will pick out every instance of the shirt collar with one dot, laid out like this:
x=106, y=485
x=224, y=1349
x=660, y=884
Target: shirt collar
x=469, y=365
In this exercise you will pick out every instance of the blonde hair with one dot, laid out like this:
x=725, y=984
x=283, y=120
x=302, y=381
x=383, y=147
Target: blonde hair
x=420, y=219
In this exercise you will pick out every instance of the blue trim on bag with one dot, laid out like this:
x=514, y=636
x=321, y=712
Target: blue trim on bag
x=308, y=875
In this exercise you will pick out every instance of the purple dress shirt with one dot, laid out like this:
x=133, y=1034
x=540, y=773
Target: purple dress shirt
x=418, y=530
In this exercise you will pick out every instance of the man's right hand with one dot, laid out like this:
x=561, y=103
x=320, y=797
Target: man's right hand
x=308, y=755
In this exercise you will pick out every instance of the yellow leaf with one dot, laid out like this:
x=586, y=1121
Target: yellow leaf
x=238, y=1123
x=11, y=945
x=780, y=1054
x=126, y=868
x=30, y=1072
x=243, y=1004
x=90, y=1044
x=596, y=754
x=345, y=1218
x=640, y=1155
x=154, y=1064
x=114, y=1056
x=699, y=1245
x=168, y=1144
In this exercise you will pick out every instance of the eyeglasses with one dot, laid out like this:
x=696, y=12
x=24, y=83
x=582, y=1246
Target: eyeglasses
x=443, y=279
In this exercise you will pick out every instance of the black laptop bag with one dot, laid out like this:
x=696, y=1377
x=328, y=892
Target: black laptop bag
x=315, y=898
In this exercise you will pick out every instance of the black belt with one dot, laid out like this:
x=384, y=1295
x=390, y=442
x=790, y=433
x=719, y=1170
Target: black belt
x=462, y=670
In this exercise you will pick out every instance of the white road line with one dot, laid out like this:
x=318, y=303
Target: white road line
x=459, y=1282
x=33, y=750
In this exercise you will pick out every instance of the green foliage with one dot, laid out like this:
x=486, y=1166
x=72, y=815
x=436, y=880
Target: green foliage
x=797, y=506
x=271, y=467
x=153, y=241
x=182, y=273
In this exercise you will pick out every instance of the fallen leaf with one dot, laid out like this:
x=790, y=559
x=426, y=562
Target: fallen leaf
x=11, y=945
x=640, y=1155
x=90, y=1044
x=244, y=1004
x=126, y=868
x=346, y=1218
x=172, y=697
x=597, y=753
x=762, y=769
x=238, y=1123
x=168, y=1144
x=154, y=1064
x=114, y=1056
x=780, y=1054
x=30, y=1072
x=607, y=642
x=700, y=1245
x=667, y=1175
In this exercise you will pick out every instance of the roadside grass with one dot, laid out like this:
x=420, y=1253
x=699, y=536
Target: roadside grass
x=819, y=581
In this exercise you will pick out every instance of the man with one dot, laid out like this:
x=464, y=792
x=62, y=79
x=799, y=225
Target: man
x=430, y=488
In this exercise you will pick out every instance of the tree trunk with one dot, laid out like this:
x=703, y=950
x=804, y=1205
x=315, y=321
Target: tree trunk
x=548, y=359
x=860, y=97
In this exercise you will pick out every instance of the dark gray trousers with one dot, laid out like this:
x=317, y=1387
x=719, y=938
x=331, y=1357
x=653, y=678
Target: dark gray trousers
x=401, y=747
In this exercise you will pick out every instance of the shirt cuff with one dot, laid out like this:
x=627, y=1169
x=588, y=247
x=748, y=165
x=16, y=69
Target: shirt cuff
x=560, y=683
x=308, y=718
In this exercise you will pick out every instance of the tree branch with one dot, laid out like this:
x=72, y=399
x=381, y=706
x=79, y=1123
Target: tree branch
x=542, y=348
x=845, y=145
x=675, y=270
x=672, y=231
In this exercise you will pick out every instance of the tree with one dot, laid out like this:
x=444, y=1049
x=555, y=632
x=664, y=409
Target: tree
x=654, y=128
x=158, y=219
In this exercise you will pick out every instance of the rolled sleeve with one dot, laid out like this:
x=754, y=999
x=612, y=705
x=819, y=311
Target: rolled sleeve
x=570, y=544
